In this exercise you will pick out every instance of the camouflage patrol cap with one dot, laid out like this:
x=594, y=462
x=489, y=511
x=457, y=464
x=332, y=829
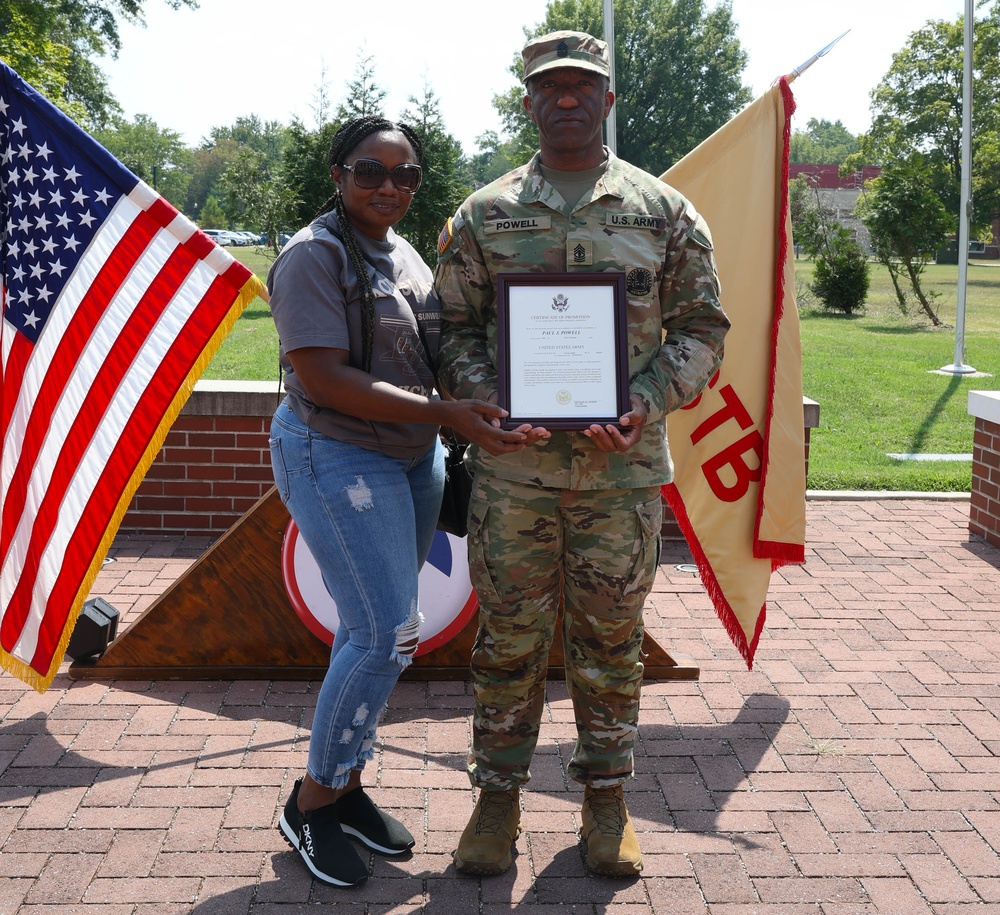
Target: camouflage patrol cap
x=565, y=49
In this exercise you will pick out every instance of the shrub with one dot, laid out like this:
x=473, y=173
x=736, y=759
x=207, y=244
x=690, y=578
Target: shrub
x=840, y=278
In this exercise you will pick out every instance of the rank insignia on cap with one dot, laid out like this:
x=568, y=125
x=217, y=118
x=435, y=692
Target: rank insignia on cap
x=565, y=48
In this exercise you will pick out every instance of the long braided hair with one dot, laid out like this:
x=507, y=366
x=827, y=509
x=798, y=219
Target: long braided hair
x=345, y=140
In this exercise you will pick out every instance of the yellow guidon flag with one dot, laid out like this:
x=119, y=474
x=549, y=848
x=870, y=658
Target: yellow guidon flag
x=739, y=450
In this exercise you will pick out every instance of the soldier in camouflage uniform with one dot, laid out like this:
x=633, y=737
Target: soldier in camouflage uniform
x=572, y=519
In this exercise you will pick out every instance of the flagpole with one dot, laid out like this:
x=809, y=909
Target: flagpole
x=611, y=129
x=958, y=366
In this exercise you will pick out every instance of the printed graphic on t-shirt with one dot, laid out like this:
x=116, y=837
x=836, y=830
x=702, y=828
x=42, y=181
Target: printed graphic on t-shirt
x=404, y=351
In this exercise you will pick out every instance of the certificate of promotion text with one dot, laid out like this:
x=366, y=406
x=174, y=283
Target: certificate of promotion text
x=561, y=349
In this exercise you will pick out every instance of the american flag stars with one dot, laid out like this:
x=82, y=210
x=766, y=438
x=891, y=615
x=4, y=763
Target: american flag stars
x=50, y=216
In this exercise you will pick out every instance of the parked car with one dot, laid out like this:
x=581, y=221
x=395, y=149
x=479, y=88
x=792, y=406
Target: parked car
x=223, y=237
x=249, y=238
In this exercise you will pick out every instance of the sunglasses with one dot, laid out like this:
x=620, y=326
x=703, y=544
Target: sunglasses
x=369, y=174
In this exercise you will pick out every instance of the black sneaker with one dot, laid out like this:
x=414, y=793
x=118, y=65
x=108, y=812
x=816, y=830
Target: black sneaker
x=359, y=817
x=319, y=839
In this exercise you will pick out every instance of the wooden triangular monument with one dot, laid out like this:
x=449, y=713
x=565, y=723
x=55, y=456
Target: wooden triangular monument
x=229, y=617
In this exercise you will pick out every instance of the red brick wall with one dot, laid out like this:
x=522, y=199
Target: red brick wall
x=984, y=506
x=210, y=471
x=215, y=463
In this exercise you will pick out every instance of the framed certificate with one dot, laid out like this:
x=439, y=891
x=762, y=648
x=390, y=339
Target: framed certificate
x=561, y=349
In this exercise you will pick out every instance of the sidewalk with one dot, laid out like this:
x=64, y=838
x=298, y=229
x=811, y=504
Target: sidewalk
x=855, y=769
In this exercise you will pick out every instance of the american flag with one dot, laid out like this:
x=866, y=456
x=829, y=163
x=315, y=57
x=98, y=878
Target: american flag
x=113, y=304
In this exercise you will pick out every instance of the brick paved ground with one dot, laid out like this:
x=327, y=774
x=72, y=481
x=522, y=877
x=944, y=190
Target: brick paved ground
x=855, y=770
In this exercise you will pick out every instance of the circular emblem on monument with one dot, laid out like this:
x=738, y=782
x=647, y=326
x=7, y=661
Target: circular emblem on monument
x=447, y=599
x=639, y=281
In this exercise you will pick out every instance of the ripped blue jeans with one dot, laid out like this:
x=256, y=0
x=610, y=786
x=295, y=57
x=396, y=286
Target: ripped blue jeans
x=369, y=521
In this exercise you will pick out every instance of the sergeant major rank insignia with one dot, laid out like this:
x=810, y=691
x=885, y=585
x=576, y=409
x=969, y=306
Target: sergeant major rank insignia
x=639, y=282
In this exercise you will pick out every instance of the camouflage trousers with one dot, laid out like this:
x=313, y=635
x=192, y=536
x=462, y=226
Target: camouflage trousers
x=532, y=549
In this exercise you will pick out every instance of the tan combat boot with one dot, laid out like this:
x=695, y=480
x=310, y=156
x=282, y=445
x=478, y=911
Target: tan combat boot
x=612, y=845
x=486, y=842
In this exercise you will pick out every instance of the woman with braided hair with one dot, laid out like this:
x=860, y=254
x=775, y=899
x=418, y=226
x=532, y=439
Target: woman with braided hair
x=359, y=464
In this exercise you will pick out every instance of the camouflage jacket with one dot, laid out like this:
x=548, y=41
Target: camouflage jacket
x=629, y=222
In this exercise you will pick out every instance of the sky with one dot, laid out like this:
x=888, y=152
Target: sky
x=192, y=70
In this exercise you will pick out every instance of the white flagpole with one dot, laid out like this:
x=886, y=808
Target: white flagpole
x=958, y=366
x=611, y=129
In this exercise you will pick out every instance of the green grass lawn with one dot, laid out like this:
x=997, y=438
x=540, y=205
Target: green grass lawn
x=873, y=377
x=872, y=374
x=250, y=352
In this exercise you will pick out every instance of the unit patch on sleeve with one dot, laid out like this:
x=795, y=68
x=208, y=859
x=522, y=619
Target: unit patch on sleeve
x=639, y=282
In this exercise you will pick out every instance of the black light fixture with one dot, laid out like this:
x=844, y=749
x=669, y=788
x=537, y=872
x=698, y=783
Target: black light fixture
x=96, y=627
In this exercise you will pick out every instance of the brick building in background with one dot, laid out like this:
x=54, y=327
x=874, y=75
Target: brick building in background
x=838, y=194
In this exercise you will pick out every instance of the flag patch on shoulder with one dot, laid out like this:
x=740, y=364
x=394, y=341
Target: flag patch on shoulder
x=444, y=239
x=449, y=232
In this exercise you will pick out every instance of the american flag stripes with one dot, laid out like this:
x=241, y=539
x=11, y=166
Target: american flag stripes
x=113, y=304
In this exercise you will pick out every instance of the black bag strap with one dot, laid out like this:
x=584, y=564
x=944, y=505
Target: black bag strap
x=371, y=330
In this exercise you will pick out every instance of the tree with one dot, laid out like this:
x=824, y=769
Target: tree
x=218, y=150
x=918, y=106
x=209, y=165
x=265, y=137
x=256, y=195
x=306, y=170
x=822, y=143
x=677, y=75
x=364, y=95
x=799, y=204
x=496, y=157
x=442, y=188
x=53, y=44
x=212, y=216
x=812, y=220
x=320, y=104
x=841, y=275
x=907, y=223
x=521, y=136
x=156, y=155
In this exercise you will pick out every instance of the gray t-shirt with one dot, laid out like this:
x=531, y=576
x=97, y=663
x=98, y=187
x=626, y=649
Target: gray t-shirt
x=315, y=302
